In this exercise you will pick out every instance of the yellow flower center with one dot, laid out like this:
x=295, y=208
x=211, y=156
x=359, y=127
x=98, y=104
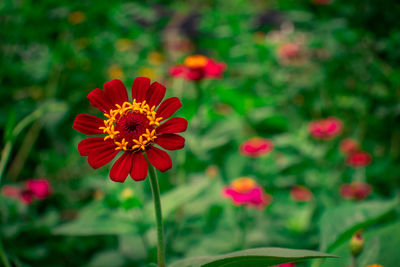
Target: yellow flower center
x=196, y=61
x=243, y=184
x=135, y=120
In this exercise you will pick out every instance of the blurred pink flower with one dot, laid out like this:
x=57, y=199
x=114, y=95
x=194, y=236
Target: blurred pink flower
x=300, y=193
x=245, y=191
x=198, y=67
x=358, y=159
x=40, y=188
x=256, y=147
x=11, y=191
x=325, y=129
x=348, y=145
x=289, y=51
x=32, y=189
x=289, y=264
x=355, y=190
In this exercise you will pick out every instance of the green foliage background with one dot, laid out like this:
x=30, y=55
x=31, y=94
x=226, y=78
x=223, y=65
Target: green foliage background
x=51, y=58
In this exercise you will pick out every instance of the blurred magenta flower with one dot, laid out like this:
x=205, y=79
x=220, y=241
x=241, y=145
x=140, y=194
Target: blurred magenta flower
x=32, y=189
x=358, y=159
x=300, y=193
x=245, y=191
x=325, y=129
x=256, y=147
x=198, y=67
x=289, y=51
x=355, y=190
x=40, y=188
x=289, y=264
x=348, y=145
x=132, y=127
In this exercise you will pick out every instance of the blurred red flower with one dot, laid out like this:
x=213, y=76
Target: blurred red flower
x=355, y=190
x=289, y=50
x=348, y=145
x=245, y=191
x=325, y=129
x=11, y=191
x=358, y=159
x=198, y=67
x=256, y=147
x=132, y=127
x=300, y=193
x=322, y=2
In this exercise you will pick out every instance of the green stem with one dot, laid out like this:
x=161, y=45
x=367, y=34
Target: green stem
x=5, y=155
x=157, y=206
x=3, y=256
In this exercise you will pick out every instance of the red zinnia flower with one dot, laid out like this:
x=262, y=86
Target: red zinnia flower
x=289, y=264
x=300, y=193
x=132, y=127
x=325, y=129
x=198, y=67
x=355, y=190
x=358, y=159
x=245, y=191
x=256, y=147
x=348, y=146
x=40, y=188
x=32, y=189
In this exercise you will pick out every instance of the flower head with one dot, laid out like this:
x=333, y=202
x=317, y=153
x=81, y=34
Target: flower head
x=348, y=145
x=131, y=127
x=358, y=159
x=198, y=67
x=325, y=129
x=245, y=191
x=256, y=147
x=31, y=190
x=289, y=264
x=300, y=193
x=355, y=190
x=374, y=265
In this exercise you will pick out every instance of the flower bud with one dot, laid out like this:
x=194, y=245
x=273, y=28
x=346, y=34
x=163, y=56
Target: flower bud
x=356, y=244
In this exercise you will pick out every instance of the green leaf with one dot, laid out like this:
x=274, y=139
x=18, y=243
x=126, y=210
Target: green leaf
x=339, y=223
x=256, y=257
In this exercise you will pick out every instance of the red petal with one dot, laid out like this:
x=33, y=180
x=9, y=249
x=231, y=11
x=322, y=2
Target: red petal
x=159, y=159
x=116, y=92
x=87, y=145
x=88, y=124
x=170, y=141
x=139, y=88
x=97, y=98
x=155, y=94
x=168, y=107
x=103, y=155
x=139, y=168
x=174, y=125
x=122, y=167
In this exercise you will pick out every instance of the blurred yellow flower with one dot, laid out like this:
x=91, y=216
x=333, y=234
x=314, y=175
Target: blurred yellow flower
x=155, y=58
x=123, y=44
x=243, y=184
x=147, y=72
x=127, y=193
x=212, y=171
x=115, y=72
x=76, y=17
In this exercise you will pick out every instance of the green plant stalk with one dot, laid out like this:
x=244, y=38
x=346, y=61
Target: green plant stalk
x=3, y=256
x=159, y=221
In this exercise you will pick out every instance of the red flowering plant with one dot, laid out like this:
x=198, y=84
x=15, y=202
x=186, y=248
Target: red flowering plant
x=198, y=67
x=256, y=147
x=325, y=129
x=358, y=159
x=133, y=127
x=348, y=146
x=300, y=193
x=355, y=191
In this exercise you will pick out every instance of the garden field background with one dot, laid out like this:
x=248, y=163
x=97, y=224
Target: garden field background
x=299, y=99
